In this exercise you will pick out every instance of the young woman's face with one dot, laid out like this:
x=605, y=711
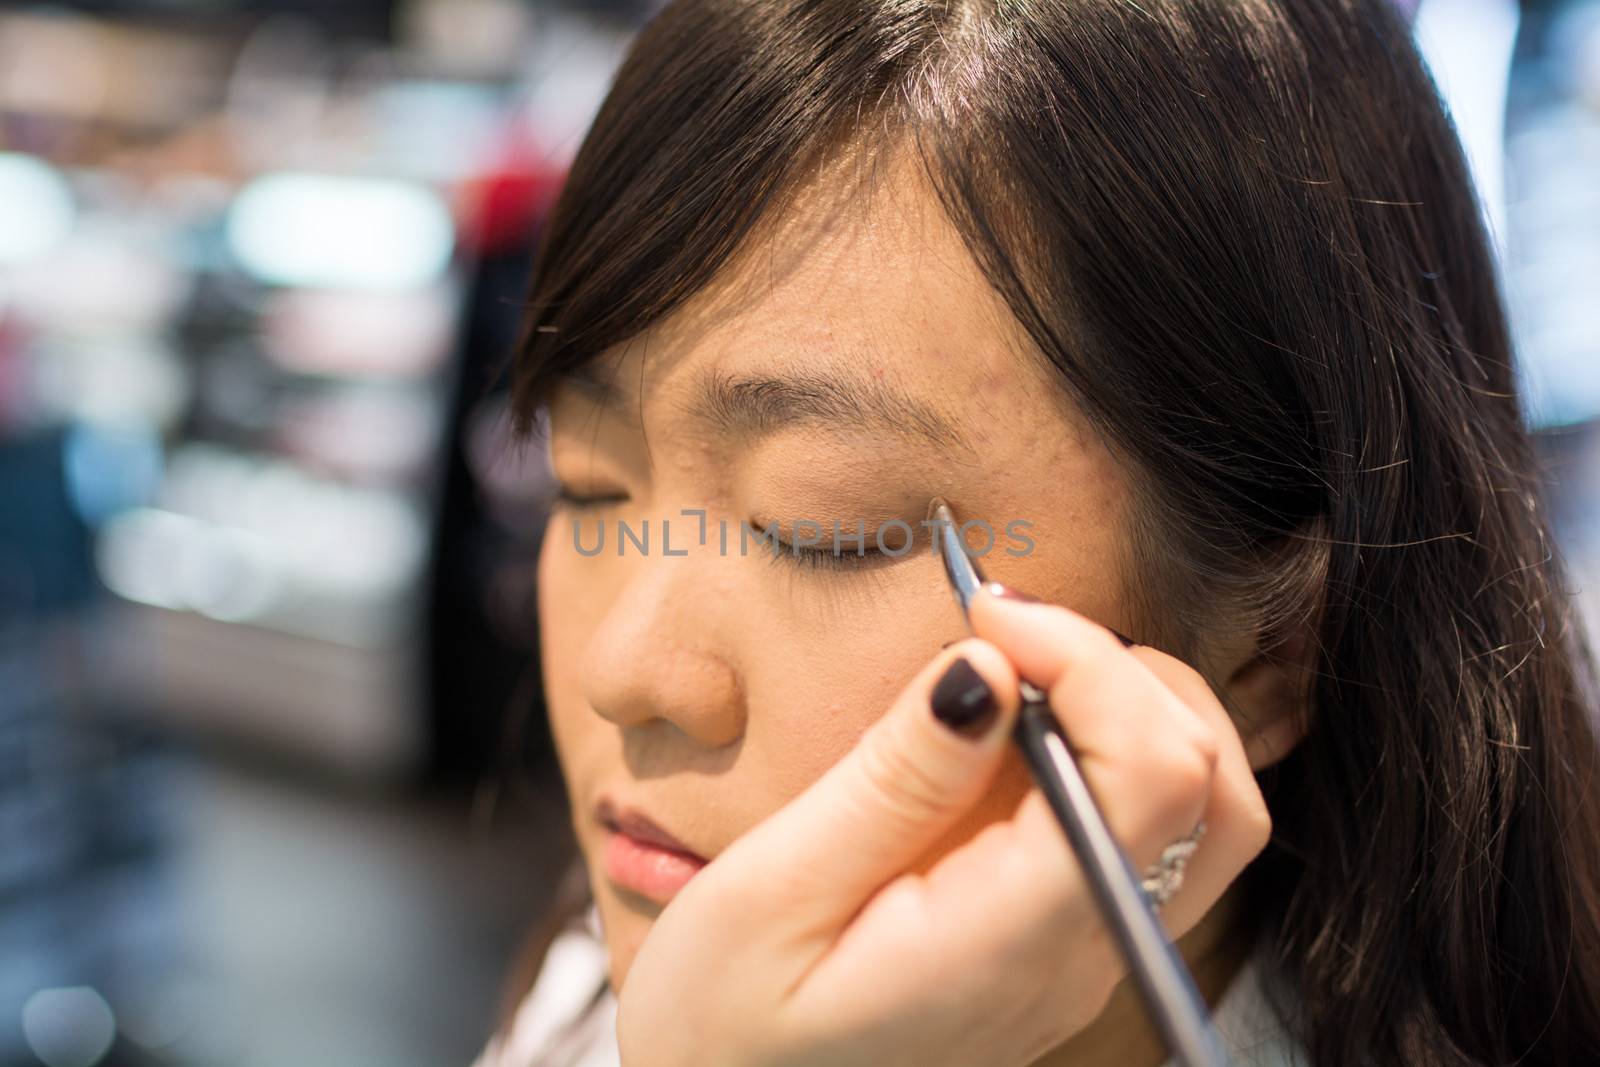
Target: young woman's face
x=849, y=368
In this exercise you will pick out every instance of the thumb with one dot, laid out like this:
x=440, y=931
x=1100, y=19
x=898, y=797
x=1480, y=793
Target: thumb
x=912, y=774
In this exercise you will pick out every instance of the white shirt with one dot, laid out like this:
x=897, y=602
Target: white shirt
x=574, y=974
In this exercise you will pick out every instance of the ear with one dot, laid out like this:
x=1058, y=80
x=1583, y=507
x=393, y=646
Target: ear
x=1266, y=696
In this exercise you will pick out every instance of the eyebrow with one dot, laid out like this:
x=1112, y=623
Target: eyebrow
x=751, y=406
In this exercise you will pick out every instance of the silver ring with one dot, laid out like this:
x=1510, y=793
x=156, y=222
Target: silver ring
x=1164, y=877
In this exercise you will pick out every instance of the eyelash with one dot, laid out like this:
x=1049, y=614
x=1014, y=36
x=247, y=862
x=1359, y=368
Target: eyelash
x=820, y=558
x=566, y=498
x=826, y=559
x=805, y=557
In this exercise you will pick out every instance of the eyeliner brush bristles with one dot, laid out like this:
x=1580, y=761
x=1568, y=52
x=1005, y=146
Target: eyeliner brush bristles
x=965, y=578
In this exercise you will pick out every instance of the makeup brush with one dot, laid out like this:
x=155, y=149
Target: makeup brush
x=1169, y=992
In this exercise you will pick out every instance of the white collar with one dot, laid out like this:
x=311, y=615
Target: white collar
x=575, y=969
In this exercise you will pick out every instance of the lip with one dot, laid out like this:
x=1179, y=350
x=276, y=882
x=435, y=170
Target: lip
x=641, y=856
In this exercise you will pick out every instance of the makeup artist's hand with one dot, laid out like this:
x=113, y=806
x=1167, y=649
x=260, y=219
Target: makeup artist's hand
x=807, y=944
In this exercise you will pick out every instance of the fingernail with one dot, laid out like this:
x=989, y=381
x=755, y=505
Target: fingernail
x=1005, y=592
x=963, y=701
x=1127, y=642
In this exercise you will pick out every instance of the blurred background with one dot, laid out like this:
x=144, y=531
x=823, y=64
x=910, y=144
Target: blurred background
x=275, y=785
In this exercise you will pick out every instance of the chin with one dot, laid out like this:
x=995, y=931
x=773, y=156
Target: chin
x=626, y=924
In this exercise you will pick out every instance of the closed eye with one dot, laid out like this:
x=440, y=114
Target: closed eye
x=566, y=497
x=824, y=557
x=846, y=553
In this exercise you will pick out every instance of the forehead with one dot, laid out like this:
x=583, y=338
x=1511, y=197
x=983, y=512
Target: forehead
x=882, y=287
x=864, y=277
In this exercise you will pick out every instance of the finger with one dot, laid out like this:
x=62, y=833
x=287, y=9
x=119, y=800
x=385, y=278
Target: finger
x=1238, y=824
x=1147, y=756
x=907, y=780
x=1030, y=885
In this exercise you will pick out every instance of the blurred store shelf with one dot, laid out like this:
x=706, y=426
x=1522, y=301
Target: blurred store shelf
x=265, y=558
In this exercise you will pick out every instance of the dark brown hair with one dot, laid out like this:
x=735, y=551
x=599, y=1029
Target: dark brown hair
x=1244, y=235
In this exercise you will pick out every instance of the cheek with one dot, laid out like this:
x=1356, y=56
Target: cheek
x=829, y=675
x=568, y=614
x=828, y=696
x=571, y=603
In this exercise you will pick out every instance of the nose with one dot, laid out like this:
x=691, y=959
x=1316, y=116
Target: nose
x=657, y=655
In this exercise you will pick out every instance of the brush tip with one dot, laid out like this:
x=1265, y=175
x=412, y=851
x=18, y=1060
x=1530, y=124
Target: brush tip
x=938, y=510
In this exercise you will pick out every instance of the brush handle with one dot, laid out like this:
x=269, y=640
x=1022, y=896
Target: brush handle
x=1170, y=995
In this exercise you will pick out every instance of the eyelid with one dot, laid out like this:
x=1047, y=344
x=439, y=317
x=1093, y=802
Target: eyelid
x=823, y=555
x=817, y=558
x=565, y=496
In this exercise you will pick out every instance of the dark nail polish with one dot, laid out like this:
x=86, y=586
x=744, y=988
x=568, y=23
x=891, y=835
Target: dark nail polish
x=1005, y=592
x=1127, y=642
x=963, y=701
